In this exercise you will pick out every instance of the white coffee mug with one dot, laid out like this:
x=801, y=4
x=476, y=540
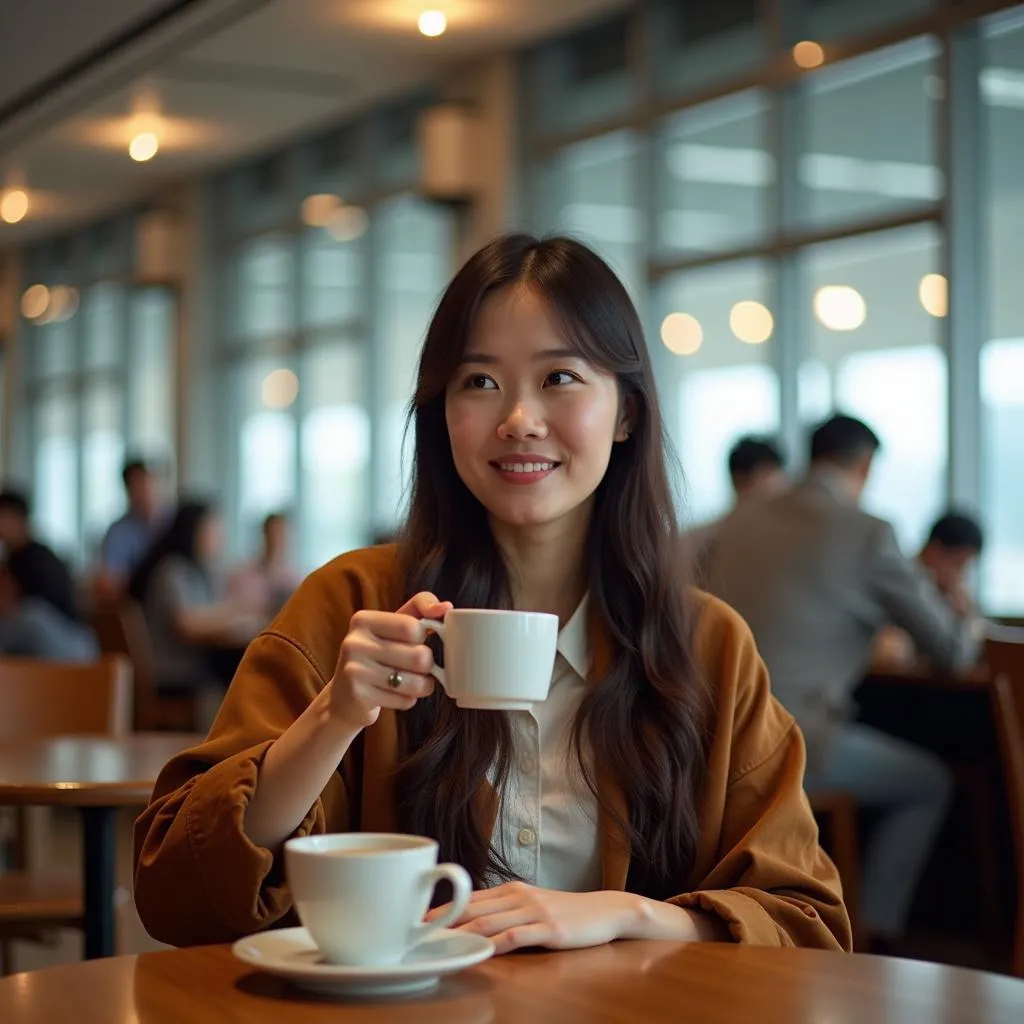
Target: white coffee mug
x=362, y=895
x=496, y=659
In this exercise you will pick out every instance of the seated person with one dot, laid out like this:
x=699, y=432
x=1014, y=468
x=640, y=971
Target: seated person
x=815, y=576
x=656, y=794
x=129, y=538
x=33, y=628
x=40, y=573
x=948, y=557
x=270, y=580
x=175, y=586
x=756, y=472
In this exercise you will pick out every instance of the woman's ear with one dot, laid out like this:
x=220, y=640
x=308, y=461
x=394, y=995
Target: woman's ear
x=627, y=418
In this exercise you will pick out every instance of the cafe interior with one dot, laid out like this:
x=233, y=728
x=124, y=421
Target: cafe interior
x=225, y=226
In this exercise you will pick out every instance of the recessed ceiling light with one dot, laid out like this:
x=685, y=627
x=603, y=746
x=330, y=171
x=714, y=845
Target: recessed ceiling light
x=682, y=333
x=13, y=205
x=433, y=23
x=751, y=322
x=35, y=301
x=143, y=147
x=933, y=292
x=840, y=307
x=808, y=54
x=279, y=389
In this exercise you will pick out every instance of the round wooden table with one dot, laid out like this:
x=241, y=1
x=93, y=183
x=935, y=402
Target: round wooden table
x=626, y=981
x=96, y=774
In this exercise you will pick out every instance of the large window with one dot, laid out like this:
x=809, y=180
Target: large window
x=717, y=323
x=1002, y=358
x=869, y=128
x=100, y=384
x=876, y=353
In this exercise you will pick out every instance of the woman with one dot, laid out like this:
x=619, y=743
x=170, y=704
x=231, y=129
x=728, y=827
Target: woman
x=682, y=815
x=195, y=638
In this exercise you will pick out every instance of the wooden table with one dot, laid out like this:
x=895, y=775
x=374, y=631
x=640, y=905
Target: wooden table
x=97, y=775
x=628, y=981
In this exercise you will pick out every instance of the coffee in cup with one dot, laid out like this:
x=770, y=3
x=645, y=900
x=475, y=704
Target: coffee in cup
x=362, y=895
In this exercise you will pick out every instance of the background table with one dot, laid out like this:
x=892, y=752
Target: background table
x=627, y=981
x=97, y=775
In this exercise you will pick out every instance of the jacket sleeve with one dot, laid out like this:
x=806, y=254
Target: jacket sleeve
x=762, y=869
x=198, y=878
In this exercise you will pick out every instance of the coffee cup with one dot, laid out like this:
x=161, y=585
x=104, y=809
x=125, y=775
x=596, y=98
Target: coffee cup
x=496, y=659
x=362, y=895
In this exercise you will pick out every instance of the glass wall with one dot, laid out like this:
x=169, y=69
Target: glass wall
x=773, y=182
x=1002, y=354
x=331, y=299
x=99, y=383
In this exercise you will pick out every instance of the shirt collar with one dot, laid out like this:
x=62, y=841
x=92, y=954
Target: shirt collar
x=573, y=640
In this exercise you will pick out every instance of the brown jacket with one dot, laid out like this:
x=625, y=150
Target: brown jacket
x=199, y=879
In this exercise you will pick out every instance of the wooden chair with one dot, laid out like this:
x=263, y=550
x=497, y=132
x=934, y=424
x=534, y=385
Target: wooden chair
x=122, y=629
x=46, y=698
x=1005, y=659
x=836, y=811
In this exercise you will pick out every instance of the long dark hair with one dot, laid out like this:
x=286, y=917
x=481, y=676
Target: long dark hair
x=644, y=719
x=179, y=538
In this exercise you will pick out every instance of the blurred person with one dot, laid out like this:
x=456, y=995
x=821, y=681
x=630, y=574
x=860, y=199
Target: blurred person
x=129, y=538
x=267, y=582
x=40, y=573
x=31, y=627
x=176, y=586
x=756, y=471
x=815, y=577
x=660, y=779
x=949, y=555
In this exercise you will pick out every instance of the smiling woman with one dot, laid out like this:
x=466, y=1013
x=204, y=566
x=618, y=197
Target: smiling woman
x=656, y=793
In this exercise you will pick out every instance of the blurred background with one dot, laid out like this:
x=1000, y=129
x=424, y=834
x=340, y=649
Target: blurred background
x=225, y=225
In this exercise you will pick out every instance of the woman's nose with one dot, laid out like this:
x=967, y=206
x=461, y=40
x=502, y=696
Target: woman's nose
x=522, y=422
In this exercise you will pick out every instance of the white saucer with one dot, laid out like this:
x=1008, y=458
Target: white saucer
x=291, y=953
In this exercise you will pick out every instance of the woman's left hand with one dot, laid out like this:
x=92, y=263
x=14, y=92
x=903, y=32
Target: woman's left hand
x=515, y=915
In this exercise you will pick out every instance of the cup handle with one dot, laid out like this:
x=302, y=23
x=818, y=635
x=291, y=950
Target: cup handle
x=437, y=626
x=463, y=889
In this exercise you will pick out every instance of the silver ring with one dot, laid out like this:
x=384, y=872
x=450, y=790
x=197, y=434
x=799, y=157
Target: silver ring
x=395, y=680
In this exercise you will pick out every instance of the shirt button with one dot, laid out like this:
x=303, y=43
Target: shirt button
x=527, y=837
x=528, y=765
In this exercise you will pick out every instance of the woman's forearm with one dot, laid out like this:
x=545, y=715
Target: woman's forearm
x=294, y=773
x=654, y=919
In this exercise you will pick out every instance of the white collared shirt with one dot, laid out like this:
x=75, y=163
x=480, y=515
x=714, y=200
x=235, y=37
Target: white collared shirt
x=547, y=823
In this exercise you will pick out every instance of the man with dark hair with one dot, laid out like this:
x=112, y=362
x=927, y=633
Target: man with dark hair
x=756, y=471
x=756, y=468
x=38, y=607
x=815, y=577
x=129, y=538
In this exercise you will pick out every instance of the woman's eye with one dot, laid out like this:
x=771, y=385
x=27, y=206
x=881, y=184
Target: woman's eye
x=479, y=382
x=559, y=377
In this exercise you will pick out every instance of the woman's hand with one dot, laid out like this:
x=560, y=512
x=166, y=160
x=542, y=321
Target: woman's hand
x=378, y=644
x=516, y=915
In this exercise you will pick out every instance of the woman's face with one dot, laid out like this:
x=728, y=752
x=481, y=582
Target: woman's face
x=208, y=540
x=531, y=423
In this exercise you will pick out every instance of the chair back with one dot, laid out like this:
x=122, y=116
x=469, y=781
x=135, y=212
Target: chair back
x=1005, y=659
x=44, y=698
x=122, y=629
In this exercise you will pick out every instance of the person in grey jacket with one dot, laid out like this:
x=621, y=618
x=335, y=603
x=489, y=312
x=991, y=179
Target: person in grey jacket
x=816, y=577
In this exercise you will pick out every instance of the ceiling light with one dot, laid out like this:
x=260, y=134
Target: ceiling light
x=934, y=294
x=348, y=223
x=316, y=211
x=14, y=205
x=808, y=55
x=682, y=333
x=840, y=307
x=751, y=322
x=279, y=389
x=143, y=147
x=35, y=301
x=433, y=23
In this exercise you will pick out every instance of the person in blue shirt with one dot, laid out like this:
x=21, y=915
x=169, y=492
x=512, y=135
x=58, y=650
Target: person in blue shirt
x=129, y=538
